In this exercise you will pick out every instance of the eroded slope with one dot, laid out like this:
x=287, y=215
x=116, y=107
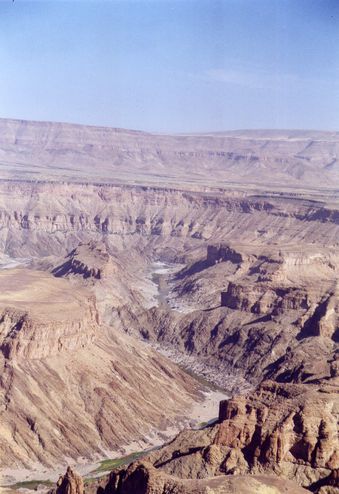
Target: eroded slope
x=70, y=385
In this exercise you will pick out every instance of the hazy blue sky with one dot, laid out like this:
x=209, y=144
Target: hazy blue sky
x=188, y=65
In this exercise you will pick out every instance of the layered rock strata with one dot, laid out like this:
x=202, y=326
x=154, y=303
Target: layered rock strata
x=72, y=386
x=63, y=151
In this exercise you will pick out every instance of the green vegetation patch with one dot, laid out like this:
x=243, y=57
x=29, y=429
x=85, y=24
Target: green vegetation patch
x=107, y=465
x=31, y=484
x=203, y=425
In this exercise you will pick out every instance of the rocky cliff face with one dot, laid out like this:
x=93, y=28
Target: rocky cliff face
x=263, y=300
x=284, y=428
x=72, y=386
x=222, y=253
x=90, y=260
x=55, y=218
x=36, y=327
x=288, y=430
x=273, y=314
x=278, y=320
x=22, y=336
x=70, y=483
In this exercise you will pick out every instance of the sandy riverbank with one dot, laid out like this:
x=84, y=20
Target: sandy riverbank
x=200, y=413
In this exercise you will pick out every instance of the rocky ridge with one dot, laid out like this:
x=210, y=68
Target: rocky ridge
x=55, y=218
x=144, y=478
x=57, y=151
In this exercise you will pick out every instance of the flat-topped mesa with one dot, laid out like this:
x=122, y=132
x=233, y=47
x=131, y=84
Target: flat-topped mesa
x=23, y=336
x=56, y=319
x=90, y=260
x=60, y=151
x=222, y=253
x=261, y=299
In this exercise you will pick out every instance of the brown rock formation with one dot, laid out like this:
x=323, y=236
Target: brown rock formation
x=263, y=300
x=278, y=317
x=222, y=253
x=63, y=215
x=54, y=319
x=70, y=385
x=143, y=478
x=89, y=260
x=70, y=483
x=285, y=430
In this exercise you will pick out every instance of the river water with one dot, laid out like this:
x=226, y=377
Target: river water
x=159, y=274
x=7, y=262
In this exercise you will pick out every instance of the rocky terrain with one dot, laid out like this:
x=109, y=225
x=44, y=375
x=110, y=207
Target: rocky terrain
x=35, y=150
x=250, y=295
x=262, y=312
x=69, y=383
x=144, y=478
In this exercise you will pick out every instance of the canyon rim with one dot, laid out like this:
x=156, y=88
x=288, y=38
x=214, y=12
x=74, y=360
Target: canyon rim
x=169, y=247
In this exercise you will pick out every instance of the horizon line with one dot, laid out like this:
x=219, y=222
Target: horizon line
x=182, y=133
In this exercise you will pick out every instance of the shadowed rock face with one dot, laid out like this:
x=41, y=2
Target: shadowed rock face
x=70, y=483
x=283, y=426
x=89, y=260
x=222, y=253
